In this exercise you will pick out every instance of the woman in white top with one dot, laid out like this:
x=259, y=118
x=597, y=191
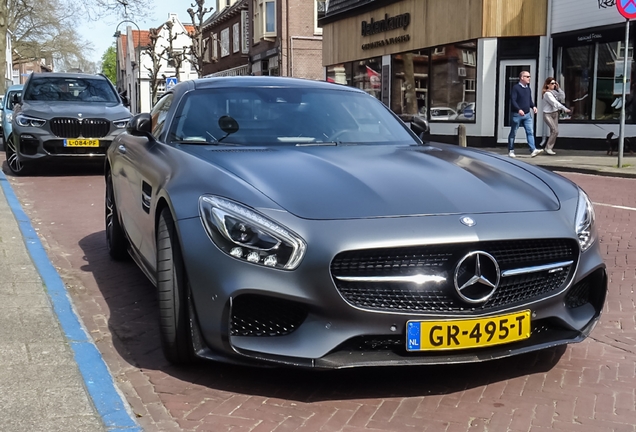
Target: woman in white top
x=553, y=98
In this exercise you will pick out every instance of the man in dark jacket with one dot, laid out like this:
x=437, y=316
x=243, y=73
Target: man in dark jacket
x=521, y=104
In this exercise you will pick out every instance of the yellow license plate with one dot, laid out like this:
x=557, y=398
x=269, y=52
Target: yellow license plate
x=468, y=333
x=81, y=143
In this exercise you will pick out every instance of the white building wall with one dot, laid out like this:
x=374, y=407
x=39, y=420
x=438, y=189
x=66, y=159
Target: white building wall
x=569, y=15
x=8, y=72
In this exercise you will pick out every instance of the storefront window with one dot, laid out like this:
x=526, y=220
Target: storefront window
x=410, y=82
x=367, y=76
x=591, y=75
x=452, y=82
x=578, y=72
x=339, y=74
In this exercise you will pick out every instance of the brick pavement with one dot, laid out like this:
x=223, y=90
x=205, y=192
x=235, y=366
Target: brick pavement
x=583, y=387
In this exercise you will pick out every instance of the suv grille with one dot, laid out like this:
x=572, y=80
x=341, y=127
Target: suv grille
x=74, y=128
x=441, y=260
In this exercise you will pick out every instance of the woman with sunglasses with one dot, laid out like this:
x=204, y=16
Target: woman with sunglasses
x=553, y=98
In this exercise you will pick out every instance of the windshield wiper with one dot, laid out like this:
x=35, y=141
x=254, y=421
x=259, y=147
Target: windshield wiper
x=315, y=144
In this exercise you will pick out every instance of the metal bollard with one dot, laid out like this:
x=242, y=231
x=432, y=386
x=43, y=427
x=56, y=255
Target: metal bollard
x=461, y=135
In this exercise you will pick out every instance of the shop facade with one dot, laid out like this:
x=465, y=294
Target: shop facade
x=588, y=47
x=454, y=62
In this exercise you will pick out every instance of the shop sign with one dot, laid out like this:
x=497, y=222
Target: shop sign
x=388, y=23
x=387, y=41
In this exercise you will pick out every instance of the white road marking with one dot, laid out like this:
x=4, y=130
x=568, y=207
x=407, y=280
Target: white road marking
x=615, y=206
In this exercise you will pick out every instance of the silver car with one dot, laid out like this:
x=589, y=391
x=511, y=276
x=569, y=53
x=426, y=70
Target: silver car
x=302, y=223
x=64, y=116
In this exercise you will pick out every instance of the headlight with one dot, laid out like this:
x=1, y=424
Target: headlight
x=250, y=236
x=584, y=222
x=9, y=117
x=120, y=124
x=24, y=120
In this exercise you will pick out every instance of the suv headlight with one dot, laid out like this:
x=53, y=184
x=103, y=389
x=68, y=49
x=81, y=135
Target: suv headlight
x=24, y=120
x=584, y=222
x=120, y=124
x=8, y=117
x=250, y=236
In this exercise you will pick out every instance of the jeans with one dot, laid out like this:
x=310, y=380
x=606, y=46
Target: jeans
x=526, y=121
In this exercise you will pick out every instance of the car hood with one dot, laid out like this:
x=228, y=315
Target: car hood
x=344, y=182
x=47, y=109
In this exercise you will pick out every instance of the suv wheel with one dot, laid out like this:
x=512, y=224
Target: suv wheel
x=16, y=167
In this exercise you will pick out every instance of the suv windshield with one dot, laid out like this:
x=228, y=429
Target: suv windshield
x=286, y=116
x=69, y=89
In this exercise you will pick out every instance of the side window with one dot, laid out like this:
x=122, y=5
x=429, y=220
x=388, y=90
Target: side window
x=159, y=113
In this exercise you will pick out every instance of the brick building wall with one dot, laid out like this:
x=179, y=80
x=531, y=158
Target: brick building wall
x=302, y=42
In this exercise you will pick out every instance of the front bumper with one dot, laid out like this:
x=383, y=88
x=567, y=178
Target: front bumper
x=299, y=318
x=35, y=144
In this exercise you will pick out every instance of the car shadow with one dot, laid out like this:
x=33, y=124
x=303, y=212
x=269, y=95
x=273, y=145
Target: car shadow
x=133, y=322
x=62, y=168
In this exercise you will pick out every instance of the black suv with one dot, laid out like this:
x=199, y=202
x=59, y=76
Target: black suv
x=64, y=115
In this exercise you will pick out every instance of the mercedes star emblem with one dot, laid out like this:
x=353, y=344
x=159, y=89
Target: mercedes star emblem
x=468, y=221
x=477, y=277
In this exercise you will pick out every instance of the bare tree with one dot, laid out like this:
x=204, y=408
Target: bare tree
x=159, y=53
x=199, y=45
x=46, y=28
x=173, y=57
x=156, y=56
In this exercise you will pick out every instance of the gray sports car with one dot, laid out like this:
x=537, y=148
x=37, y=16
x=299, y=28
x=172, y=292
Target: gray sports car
x=295, y=222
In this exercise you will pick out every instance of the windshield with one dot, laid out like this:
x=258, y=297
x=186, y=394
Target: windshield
x=286, y=116
x=69, y=89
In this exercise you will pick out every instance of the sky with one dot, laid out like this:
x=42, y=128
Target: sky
x=100, y=33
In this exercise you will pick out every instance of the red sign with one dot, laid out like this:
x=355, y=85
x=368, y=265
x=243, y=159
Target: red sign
x=627, y=8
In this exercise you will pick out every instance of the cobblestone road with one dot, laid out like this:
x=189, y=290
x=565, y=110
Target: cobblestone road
x=584, y=387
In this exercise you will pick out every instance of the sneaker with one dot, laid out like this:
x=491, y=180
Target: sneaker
x=550, y=152
x=536, y=152
x=511, y=153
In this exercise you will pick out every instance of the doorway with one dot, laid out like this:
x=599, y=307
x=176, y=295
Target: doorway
x=509, y=71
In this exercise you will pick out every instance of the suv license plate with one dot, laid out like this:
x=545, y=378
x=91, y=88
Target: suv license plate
x=468, y=333
x=81, y=143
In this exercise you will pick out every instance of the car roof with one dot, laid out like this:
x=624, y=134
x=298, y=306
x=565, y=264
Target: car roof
x=16, y=87
x=67, y=75
x=266, y=81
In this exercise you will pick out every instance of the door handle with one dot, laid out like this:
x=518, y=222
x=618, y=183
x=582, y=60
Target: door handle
x=122, y=149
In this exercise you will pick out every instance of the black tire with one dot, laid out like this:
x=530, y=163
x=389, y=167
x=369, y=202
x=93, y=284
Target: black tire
x=172, y=287
x=116, y=240
x=16, y=167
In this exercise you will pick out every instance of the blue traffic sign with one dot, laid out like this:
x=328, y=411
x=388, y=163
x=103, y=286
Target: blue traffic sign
x=627, y=8
x=171, y=82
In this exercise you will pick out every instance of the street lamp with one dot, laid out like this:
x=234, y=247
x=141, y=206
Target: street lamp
x=137, y=61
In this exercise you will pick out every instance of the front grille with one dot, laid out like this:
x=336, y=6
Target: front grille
x=257, y=315
x=441, y=260
x=75, y=128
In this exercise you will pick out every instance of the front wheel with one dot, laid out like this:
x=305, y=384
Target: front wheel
x=173, y=291
x=116, y=240
x=16, y=167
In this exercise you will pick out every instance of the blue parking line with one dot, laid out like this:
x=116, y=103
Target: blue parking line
x=96, y=375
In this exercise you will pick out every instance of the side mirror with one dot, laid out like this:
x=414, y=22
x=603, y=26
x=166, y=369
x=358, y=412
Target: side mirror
x=124, y=100
x=16, y=98
x=419, y=126
x=140, y=125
